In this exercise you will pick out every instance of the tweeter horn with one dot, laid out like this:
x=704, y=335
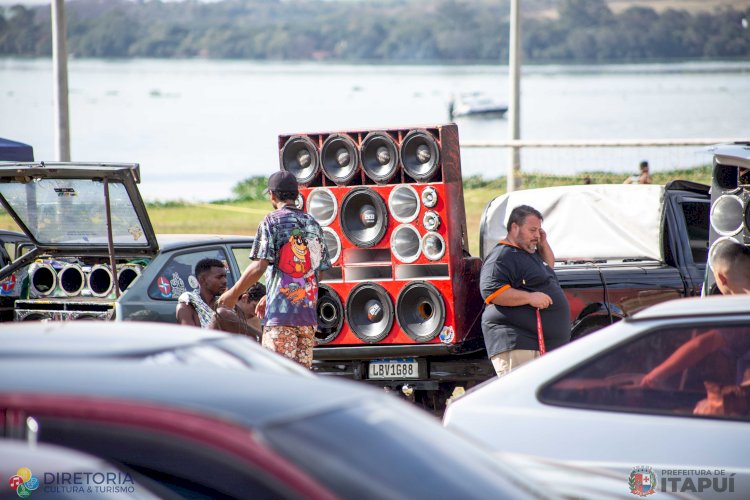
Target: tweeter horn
x=369, y=312
x=420, y=155
x=300, y=157
x=42, y=279
x=726, y=215
x=339, y=158
x=332, y=243
x=403, y=203
x=420, y=311
x=363, y=217
x=379, y=156
x=126, y=276
x=71, y=280
x=330, y=315
x=406, y=243
x=322, y=205
x=100, y=280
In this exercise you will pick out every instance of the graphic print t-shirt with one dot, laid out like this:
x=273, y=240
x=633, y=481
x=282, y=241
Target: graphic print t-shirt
x=292, y=242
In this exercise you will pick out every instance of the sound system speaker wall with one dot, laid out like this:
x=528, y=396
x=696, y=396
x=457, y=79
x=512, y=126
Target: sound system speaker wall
x=730, y=202
x=395, y=225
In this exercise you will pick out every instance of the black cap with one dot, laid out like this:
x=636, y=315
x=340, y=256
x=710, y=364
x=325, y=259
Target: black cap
x=282, y=181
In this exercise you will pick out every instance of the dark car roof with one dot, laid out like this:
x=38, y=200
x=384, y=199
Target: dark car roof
x=252, y=399
x=89, y=339
x=168, y=242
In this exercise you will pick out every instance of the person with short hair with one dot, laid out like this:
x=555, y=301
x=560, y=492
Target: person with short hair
x=643, y=178
x=243, y=319
x=516, y=281
x=197, y=308
x=290, y=249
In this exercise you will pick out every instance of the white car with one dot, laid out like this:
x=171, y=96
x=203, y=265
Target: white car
x=587, y=403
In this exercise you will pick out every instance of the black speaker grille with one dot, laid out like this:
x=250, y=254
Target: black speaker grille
x=420, y=311
x=369, y=312
x=363, y=217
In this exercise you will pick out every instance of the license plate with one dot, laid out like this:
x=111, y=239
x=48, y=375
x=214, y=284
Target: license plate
x=394, y=368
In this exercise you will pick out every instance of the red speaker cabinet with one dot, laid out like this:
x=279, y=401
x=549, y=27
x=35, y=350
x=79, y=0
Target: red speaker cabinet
x=392, y=210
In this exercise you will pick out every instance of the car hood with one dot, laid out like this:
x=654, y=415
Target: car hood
x=62, y=207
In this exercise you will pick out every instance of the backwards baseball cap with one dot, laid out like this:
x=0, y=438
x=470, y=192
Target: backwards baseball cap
x=282, y=181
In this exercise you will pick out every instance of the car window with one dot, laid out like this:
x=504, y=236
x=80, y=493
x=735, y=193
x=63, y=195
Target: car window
x=689, y=370
x=696, y=220
x=177, y=275
x=242, y=256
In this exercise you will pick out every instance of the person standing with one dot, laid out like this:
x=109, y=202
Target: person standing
x=643, y=178
x=519, y=286
x=197, y=308
x=290, y=249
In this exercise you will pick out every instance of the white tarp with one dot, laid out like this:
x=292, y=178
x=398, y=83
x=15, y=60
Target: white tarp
x=596, y=221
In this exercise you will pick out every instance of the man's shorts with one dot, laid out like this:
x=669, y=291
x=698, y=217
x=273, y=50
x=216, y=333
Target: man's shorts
x=507, y=361
x=294, y=342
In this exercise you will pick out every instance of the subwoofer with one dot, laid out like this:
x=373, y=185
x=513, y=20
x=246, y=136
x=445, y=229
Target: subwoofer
x=730, y=203
x=379, y=156
x=364, y=217
x=420, y=311
x=299, y=155
x=330, y=315
x=369, y=312
x=420, y=155
x=340, y=158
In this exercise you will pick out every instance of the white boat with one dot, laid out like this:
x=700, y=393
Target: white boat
x=476, y=104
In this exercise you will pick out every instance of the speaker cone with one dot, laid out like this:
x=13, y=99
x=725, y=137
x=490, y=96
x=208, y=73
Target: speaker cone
x=403, y=203
x=333, y=244
x=369, y=312
x=339, y=158
x=420, y=311
x=726, y=215
x=406, y=243
x=364, y=218
x=100, y=281
x=43, y=279
x=330, y=315
x=71, y=279
x=379, y=155
x=300, y=157
x=420, y=155
x=322, y=205
x=433, y=246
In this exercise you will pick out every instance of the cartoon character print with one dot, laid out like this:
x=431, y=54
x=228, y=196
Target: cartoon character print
x=294, y=257
x=294, y=293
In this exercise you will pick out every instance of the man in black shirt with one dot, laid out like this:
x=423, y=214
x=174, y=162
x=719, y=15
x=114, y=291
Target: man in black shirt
x=517, y=280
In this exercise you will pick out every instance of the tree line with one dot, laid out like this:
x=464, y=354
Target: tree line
x=388, y=31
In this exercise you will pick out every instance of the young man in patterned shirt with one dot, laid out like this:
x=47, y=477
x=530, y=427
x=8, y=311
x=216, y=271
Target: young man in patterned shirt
x=290, y=250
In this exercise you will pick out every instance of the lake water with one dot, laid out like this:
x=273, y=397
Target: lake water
x=198, y=127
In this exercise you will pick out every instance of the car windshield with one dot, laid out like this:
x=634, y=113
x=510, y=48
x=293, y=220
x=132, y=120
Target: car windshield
x=371, y=447
x=71, y=211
